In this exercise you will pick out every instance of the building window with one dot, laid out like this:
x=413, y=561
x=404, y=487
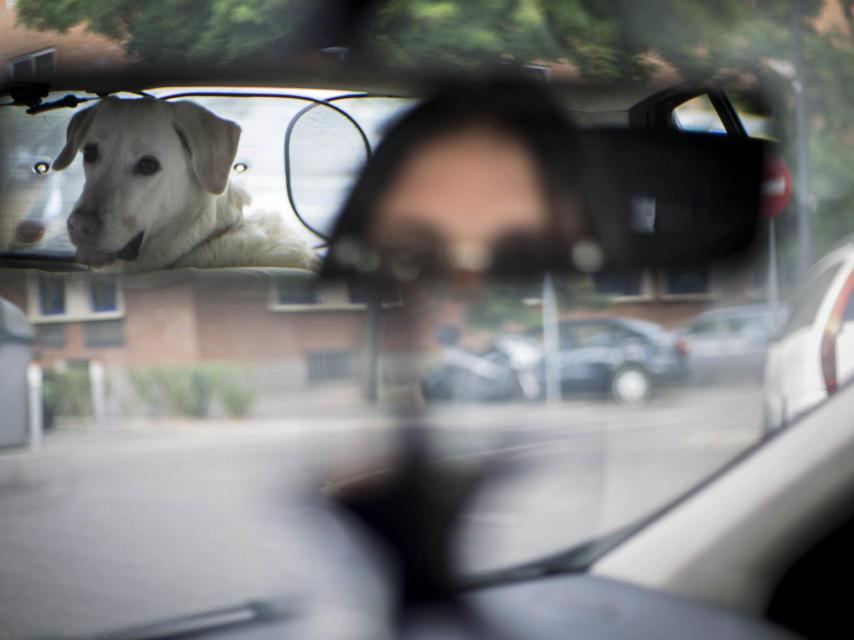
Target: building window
x=329, y=365
x=35, y=65
x=102, y=294
x=53, y=298
x=686, y=281
x=296, y=291
x=619, y=283
x=51, y=295
x=50, y=335
x=104, y=333
x=357, y=291
x=292, y=294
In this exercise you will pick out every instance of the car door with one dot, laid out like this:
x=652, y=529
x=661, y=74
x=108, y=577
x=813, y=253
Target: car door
x=845, y=342
x=706, y=338
x=794, y=376
x=571, y=356
x=586, y=353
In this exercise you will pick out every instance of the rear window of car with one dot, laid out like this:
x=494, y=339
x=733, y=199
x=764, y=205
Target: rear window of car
x=298, y=156
x=808, y=297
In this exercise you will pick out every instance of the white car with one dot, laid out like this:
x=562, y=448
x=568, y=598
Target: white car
x=814, y=353
x=728, y=345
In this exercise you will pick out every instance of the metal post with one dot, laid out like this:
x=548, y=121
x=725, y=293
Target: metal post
x=802, y=194
x=372, y=344
x=98, y=392
x=551, y=340
x=34, y=385
x=773, y=286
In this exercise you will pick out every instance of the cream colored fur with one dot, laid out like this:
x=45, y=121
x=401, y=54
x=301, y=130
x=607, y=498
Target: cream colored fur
x=190, y=215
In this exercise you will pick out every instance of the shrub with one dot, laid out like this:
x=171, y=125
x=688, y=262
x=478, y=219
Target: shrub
x=237, y=400
x=173, y=391
x=67, y=393
x=189, y=390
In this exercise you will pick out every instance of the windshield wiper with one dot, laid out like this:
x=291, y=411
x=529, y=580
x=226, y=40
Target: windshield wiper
x=575, y=559
x=249, y=613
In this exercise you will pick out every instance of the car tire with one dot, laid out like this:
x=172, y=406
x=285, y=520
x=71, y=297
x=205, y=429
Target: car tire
x=631, y=386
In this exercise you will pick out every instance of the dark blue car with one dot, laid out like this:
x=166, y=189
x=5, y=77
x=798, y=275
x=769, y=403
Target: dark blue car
x=627, y=358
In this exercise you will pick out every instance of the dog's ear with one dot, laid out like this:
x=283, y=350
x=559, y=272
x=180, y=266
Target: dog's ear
x=74, y=134
x=211, y=142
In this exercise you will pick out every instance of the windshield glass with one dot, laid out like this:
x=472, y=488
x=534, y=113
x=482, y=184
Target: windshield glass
x=190, y=402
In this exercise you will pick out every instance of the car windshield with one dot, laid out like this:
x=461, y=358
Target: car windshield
x=183, y=412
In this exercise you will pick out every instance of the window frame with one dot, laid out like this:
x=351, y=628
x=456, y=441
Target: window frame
x=330, y=297
x=31, y=57
x=104, y=343
x=56, y=341
x=647, y=290
x=317, y=359
x=712, y=290
x=78, y=301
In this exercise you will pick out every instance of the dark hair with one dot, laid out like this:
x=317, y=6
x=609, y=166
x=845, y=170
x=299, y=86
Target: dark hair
x=522, y=109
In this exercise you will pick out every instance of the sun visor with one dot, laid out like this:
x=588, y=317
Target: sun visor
x=661, y=197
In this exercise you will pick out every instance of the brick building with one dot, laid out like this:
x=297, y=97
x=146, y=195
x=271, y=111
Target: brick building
x=307, y=334
x=35, y=55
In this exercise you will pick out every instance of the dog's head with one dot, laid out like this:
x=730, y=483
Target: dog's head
x=146, y=163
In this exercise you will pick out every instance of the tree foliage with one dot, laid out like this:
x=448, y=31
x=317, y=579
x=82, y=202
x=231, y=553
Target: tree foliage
x=218, y=30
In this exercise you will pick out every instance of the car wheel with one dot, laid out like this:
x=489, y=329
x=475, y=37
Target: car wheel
x=631, y=386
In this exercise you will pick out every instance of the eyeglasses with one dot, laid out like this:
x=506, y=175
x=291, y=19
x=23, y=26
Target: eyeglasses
x=425, y=258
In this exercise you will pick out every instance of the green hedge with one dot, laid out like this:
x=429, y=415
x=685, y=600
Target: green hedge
x=66, y=393
x=190, y=390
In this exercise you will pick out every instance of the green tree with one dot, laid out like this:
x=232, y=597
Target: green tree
x=217, y=30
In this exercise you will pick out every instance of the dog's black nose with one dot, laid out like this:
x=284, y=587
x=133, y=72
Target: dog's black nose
x=84, y=225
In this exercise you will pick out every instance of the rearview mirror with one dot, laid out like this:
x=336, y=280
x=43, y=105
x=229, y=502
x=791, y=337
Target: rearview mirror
x=662, y=198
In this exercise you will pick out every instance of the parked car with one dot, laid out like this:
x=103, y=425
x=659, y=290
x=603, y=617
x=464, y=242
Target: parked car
x=506, y=370
x=729, y=344
x=814, y=353
x=626, y=358
x=623, y=357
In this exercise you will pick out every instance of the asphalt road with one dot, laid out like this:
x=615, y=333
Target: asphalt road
x=105, y=529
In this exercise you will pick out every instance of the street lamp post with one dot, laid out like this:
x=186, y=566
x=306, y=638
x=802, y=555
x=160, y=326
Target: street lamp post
x=801, y=149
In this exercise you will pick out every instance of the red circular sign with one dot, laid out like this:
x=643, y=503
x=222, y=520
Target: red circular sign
x=776, y=190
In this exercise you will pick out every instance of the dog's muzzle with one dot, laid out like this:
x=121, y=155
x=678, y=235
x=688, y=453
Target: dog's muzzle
x=95, y=258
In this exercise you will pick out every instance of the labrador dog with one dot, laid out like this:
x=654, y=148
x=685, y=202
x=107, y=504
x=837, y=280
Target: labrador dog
x=157, y=193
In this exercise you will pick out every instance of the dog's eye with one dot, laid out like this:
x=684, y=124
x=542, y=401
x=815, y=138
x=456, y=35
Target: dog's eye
x=147, y=165
x=90, y=153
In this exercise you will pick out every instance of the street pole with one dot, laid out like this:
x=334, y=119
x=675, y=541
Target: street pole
x=34, y=384
x=551, y=340
x=773, y=286
x=802, y=195
x=98, y=392
x=371, y=353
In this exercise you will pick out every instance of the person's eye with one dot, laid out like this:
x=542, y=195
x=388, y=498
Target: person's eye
x=90, y=153
x=147, y=166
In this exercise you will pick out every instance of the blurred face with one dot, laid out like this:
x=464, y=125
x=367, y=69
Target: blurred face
x=464, y=192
